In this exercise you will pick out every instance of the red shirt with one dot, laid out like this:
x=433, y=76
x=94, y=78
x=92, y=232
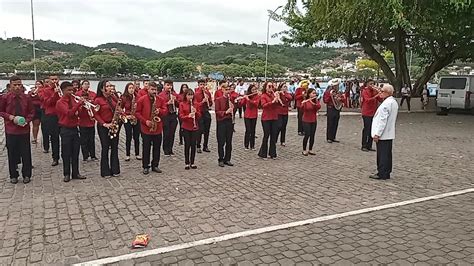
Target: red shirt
x=219, y=93
x=327, y=99
x=286, y=100
x=310, y=111
x=67, y=111
x=144, y=113
x=35, y=100
x=127, y=103
x=369, y=101
x=84, y=118
x=299, y=96
x=251, y=106
x=142, y=92
x=105, y=113
x=199, y=97
x=270, y=109
x=91, y=94
x=186, y=121
x=7, y=108
x=50, y=97
x=165, y=96
x=222, y=104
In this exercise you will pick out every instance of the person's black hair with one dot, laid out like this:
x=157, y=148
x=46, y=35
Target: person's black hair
x=222, y=82
x=181, y=90
x=201, y=81
x=85, y=80
x=249, y=89
x=14, y=78
x=308, y=92
x=100, y=87
x=125, y=91
x=65, y=84
x=168, y=81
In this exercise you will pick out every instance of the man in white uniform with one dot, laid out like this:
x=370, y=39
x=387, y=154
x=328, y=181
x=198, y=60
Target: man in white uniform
x=383, y=132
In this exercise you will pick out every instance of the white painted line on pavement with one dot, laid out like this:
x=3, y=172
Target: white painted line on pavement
x=258, y=231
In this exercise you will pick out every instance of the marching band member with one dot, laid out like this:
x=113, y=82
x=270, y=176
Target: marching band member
x=50, y=97
x=107, y=126
x=151, y=110
x=203, y=97
x=76, y=85
x=332, y=99
x=87, y=126
x=299, y=95
x=67, y=109
x=310, y=106
x=225, y=128
x=170, y=121
x=370, y=99
x=36, y=101
x=132, y=126
x=286, y=99
x=269, y=101
x=85, y=88
x=189, y=113
x=17, y=111
x=220, y=91
x=250, y=101
x=181, y=98
x=143, y=91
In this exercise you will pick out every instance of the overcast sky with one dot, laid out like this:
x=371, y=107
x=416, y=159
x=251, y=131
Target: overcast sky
x=158, y=24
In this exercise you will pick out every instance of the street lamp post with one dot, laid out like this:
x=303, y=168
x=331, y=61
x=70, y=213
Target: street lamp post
x=33, y=30
x=268, y=38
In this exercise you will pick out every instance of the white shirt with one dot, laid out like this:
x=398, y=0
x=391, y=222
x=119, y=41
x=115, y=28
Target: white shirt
x=385, y=118
x=241, y=89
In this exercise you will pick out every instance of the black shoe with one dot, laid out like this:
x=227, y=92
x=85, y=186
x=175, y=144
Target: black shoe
x=335, y=141
x=193, y=166
x=14, y=180
x=206, y=150
x=364, y=149
x=371, y=149
x=156, y=170
x=55, y=162
x=45, y=151
x=329, y=141
x=228, y=163
x=187, y=167
x=67, y=178
x=172, y=154
x=146, y=171
x=79, y=177
x=26, y=180
x=300, y=134
x=221, y=164
x=199, y=150
x=94, y=158
x=378, y=177
x=115, y=175
x=84, y=160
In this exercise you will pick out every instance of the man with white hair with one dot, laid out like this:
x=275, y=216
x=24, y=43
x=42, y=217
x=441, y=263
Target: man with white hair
x=383, y=132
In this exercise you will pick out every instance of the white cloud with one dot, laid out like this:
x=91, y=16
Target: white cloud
x=161, y=24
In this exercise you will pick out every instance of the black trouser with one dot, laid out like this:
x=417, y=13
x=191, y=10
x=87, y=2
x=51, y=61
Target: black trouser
x=87, y=136
x=249, y=138
x=181, y=137
x=70, y=151
x=309, y=133
x=366, y=132
x=270, y=131
x=44, y=131
x=384, y=158
x=112, y=166
x=170, y=122
x=148, y=141
x=19, y=150
x=300, y=120
x=332, y=122
x=240, y=108
x=225, y=130
x=283, y=122
x=204, y=129
x=51, y=128
x=132, y=131
x=190, y=140
x=408, y=101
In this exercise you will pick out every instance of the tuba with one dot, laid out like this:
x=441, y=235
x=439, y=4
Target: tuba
x=155, y=119
x=336, y=99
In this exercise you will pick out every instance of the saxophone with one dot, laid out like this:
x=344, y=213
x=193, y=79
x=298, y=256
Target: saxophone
x=115, y=124
x=155, y=119
x=133, y=118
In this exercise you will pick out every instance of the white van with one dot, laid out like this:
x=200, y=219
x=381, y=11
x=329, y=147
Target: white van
x=455, y=92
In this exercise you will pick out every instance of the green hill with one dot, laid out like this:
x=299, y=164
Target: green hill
x=133, y=51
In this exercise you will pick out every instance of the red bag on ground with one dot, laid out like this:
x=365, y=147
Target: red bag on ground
x=140, y=241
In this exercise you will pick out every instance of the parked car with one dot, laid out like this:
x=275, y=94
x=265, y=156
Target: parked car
x=455, y=92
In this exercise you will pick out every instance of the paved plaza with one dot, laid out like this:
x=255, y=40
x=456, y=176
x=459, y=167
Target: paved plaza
x=49, y=222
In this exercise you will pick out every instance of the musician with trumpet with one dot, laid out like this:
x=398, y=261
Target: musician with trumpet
x=50, y=96
x=189, y=114
x=151, y=110
x=333, y=100
x=87, y=124
x=170, y=121
x=67, y=108
x=203, y=96
x=107, y=127
x=310, y=106
x=370, y=98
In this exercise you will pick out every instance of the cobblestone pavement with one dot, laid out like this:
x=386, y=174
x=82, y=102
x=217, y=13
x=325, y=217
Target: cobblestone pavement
x=52, y=222
x=438, y=232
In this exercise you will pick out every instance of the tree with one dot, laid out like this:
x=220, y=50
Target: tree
x=367, y=63
x=7, y=68
x=56, y=67
x=439, y=31
x=85, y=67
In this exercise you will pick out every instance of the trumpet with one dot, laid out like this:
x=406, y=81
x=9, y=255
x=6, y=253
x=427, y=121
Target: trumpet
x=193, y=111
x=58, y=90
x=90, y=107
